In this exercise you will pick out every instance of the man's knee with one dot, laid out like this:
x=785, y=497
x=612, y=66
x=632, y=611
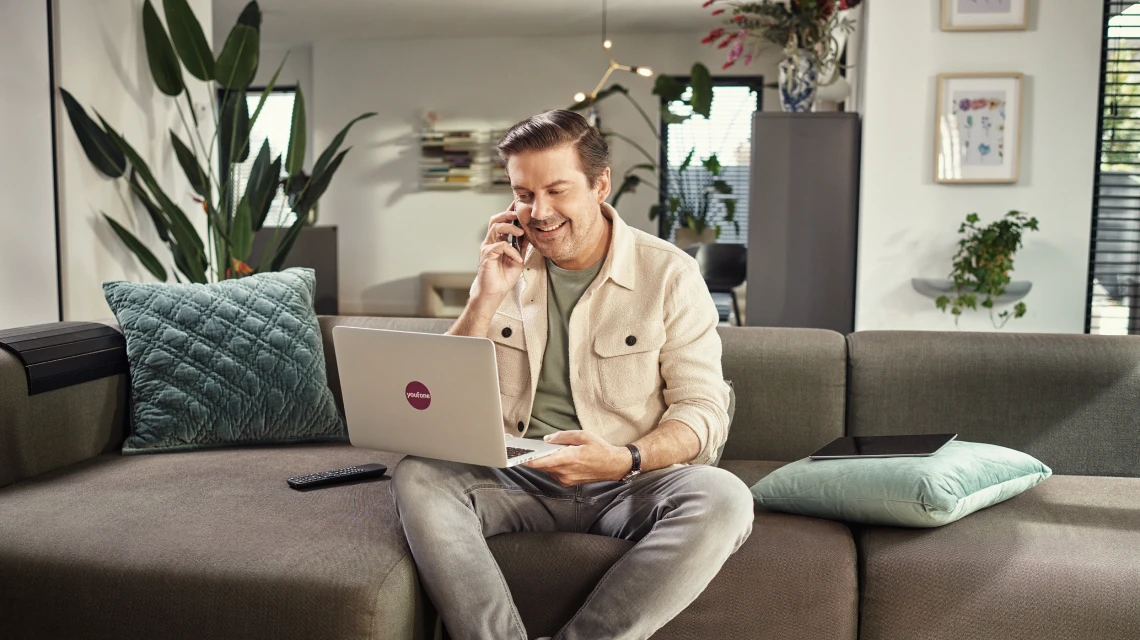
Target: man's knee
x=727, y=502
x=414, y=475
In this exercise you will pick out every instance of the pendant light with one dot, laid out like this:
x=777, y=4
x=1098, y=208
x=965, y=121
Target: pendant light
x=614, y=66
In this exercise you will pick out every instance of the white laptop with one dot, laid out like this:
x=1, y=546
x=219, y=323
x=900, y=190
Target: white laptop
x=428, y=395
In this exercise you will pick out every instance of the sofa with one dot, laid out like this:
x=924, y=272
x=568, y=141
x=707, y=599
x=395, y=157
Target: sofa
x=213, y=544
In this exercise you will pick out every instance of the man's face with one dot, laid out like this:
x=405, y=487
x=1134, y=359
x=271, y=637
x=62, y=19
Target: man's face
x=561, y=214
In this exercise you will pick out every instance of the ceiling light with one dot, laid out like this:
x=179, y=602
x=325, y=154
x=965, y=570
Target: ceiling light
x=607, y=44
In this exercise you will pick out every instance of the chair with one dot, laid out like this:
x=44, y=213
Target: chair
x=724, y=267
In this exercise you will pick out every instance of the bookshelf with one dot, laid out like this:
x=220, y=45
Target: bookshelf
x=461, y=159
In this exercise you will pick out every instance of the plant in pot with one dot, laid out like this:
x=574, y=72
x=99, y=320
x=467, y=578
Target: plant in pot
x=805, y=30
x=232, y=218
x=983, y=264
x=686, y=196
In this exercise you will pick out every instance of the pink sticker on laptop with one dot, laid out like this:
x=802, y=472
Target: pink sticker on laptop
x=418, y=395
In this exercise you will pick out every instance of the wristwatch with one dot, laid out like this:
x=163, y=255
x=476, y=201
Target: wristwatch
x=636, y=469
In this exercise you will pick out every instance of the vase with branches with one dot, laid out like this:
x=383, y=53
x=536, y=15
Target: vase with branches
x=232, y=218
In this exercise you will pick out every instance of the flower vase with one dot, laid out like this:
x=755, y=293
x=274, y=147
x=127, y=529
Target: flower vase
x=799, y=82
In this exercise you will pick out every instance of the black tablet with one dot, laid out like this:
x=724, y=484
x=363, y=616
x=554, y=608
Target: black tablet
x=883, y=446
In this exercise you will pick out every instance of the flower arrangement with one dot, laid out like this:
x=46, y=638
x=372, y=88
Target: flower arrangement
x=799, y=27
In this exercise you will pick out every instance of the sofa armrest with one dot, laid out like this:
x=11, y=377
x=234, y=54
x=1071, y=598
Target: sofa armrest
x=46, y=431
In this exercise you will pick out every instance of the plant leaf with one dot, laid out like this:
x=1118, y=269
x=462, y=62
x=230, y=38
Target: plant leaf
x=198, y=181
x=712, y=164
x=628, y=185
x=152, y=209
x=668, y=88
x=721, y=186
x=267, y=90
x=316, y=186
x=189, y=40
x=668, y=117
x=237, y=63
x=234, y=124
x=241, y=233
x=688, y=159
x=139, y=249
x=286, y=243
x=97, y=145
x=334, y=146
x=295, y=154
x=730, y=209
x=164, y=67
x=701, y=82
x=262, y=185
x=251, y=16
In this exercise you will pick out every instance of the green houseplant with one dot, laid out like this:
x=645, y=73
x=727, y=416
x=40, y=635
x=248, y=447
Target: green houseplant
x=983, y=263
x=688, y=196
x=232, y=218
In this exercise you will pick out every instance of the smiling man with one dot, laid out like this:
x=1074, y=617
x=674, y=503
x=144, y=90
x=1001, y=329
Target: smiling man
x=606, y=341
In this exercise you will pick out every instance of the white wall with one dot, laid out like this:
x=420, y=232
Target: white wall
x=389, y=231
x=908, y=224
x=101, y=60
x=28, y=289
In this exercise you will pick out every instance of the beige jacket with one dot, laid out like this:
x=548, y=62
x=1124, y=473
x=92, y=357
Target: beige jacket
x=643, y=344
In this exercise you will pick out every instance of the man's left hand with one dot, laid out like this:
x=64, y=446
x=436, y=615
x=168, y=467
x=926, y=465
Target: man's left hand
x=588, y=458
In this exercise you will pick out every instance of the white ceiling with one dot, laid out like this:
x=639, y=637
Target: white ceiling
x=302, y=21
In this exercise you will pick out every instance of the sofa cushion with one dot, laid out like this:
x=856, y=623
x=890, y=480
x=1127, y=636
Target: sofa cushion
x=1061, y=560
x=238, y=361
x=795, y=577
x=905, y=491
x=209, y=544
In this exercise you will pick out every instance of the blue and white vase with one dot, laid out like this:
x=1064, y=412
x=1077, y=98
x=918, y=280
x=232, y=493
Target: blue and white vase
x=799, y=82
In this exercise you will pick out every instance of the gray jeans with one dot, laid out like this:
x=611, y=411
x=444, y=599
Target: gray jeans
x=686, y=521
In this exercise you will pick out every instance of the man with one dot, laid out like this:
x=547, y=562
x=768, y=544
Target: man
x=606, y=342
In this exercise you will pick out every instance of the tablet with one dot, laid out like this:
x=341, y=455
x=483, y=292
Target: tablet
x=883, y=446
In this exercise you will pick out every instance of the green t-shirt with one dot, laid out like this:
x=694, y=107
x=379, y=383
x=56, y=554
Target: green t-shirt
x=553, y=408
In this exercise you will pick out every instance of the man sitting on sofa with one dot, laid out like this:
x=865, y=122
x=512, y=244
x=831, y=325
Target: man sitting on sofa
x=631, y=382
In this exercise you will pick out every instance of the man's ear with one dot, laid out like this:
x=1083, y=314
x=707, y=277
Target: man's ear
x=604, y=185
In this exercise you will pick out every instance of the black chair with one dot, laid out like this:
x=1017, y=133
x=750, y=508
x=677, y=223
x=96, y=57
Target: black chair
x=724, y=267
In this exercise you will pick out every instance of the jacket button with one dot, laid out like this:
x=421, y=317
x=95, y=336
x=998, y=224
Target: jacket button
x=520, y=427
x=631, y=340
x=506, y=332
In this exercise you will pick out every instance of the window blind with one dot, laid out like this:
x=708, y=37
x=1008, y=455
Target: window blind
x=1113, y=305
x=727, y=132
x=274, y=124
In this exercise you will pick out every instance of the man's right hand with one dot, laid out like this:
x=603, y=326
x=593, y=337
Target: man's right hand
x=500, y=265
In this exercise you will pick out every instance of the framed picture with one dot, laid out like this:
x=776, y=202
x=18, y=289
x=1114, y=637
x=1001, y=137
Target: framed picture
x=983, y=15
x=978, y=128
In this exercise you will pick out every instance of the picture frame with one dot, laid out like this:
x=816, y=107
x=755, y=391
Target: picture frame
x=977, y=132
x=984, y=15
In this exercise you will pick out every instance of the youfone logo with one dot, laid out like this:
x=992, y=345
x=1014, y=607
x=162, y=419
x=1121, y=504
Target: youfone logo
x=418, y=395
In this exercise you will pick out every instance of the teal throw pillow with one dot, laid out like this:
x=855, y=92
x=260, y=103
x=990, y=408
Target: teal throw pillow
x=233, y=362
x=918, y=491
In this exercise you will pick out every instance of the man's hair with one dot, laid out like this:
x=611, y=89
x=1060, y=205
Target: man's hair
x=555, y=129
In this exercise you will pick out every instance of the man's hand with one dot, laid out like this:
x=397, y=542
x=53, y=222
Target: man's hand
x=500, y=265
x=589, y=458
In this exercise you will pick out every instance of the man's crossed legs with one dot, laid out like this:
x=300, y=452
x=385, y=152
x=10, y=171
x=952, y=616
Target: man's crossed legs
x=686, y=521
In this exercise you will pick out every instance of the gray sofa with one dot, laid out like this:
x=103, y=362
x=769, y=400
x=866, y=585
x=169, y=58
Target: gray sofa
x=213, y=544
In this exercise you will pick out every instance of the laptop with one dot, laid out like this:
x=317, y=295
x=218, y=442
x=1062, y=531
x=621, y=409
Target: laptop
x=883, y=446
x=429, y=395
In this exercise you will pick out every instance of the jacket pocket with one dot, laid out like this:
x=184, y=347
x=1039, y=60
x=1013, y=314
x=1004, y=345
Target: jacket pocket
x=629, y=364
x=510, y=355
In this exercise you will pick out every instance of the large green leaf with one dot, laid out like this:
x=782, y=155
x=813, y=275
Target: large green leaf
x=139, y=249
x=267, y=90
x=198, y=181
x=234, y=129
x=668, y=88
x=688, y=159
x=100, y=150
x=721, y=186
x=712, y=164
x=286, y=244
x=180, y=227
x=251, y=16
x=241, y=233
x=262, y=185
x=317, y=185
x=628, y=185
x=164, y=67
x=189, y=40
x=237, y=63
x=701, y=82
x=333, y=147
x=295, y=154
x=152, y=209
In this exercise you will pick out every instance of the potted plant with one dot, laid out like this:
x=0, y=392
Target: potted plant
x=983, y=264
x=232, y=218
x=692, y=199
x=805, y=30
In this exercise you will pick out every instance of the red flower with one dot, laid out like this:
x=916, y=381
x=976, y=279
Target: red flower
x=718, y=12
x=727, y=65
x=739, y=18
x=727, y=41
x=713, y=35
x=849, y=4
x=707, y=3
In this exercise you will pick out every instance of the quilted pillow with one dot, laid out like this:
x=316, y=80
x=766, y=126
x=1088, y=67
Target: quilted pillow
x=232, y=362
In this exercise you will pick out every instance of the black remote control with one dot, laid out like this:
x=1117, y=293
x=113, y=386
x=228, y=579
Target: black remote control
x=340, y=475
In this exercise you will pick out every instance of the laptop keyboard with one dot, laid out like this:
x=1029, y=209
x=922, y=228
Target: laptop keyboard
x=514, y=452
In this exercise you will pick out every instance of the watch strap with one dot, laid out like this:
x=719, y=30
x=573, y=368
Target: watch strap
x=636, y=468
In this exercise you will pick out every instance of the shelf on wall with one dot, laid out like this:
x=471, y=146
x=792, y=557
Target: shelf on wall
x=460, y=159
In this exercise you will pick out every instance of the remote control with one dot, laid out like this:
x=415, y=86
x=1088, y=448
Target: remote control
x=340, y=475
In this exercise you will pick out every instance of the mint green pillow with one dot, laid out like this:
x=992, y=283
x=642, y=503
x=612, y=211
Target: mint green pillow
x=926, y=491
x=233, y=362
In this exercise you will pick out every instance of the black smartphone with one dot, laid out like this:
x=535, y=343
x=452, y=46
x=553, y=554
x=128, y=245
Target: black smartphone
x=515, y=239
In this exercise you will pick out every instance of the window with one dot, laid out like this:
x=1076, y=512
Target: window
x=273, y=124
x=728, y=133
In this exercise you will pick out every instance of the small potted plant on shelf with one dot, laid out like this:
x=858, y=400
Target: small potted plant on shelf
x=811, y=33
x=692, y=199
x=982, y=267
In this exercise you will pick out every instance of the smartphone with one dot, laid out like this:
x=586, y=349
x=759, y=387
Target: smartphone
x=515, y=239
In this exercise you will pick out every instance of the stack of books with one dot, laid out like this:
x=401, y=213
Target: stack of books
x=453, y=159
